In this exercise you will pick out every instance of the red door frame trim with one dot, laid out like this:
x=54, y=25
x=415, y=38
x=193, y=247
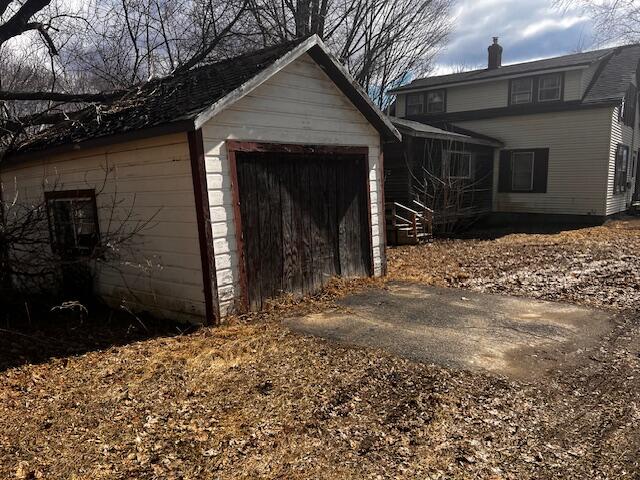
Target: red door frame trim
x=234, y=146
x=205, y=234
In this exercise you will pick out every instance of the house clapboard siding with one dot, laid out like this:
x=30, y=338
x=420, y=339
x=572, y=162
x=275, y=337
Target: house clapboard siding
x=495, y=93
x=620, y=133
x=578, y=143
x=148, y=181
x=476, y=97
x=298, y=105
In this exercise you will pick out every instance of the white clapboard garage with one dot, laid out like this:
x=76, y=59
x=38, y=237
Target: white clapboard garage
x=263, y=173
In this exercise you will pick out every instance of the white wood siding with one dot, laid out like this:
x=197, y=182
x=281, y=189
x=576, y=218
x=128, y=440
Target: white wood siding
x=298, y=105
x=151, y=180
x=478, y=96
x=579, y=153
x=401, y=105
x=494, y=94
x=620, y=133
x=573, y=85
x=587, y=76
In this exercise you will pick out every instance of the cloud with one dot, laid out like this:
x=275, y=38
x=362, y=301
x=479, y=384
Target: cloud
x=528, y=30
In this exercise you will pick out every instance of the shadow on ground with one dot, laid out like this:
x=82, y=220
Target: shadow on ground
x=40, y=336
x=458, y=328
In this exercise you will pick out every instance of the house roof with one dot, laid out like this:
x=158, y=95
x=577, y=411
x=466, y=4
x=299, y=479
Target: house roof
x=614, y=76
x=185, y=101
x=606, y=84
x=447, y=132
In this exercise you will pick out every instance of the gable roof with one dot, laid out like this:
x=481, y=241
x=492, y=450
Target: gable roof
x=185, y=101
x=617, y=63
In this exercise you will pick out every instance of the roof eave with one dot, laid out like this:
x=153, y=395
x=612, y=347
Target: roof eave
x=409, y=88
x=455, y=137
x=132, y=135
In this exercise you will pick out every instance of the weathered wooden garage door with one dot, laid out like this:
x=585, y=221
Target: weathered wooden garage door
x=304, y=221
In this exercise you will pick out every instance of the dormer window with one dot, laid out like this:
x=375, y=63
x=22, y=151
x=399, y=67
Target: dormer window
x=538, y=89
x=550, y=87
x=427, y=102
x=414, y=103
x=435, y=101
x=521, y=90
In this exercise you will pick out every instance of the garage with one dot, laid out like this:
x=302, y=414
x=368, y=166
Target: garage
x=304, y=218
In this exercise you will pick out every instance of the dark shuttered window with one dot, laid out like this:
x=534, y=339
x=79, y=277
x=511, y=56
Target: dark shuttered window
x=524, y=170
x=621, y=168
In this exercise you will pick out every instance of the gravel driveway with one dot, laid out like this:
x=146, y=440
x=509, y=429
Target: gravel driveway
x=519, y=337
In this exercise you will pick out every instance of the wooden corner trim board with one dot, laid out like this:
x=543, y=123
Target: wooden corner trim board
x=205, y=235
x=234, y=146
x=367, y=185
x=383, y=226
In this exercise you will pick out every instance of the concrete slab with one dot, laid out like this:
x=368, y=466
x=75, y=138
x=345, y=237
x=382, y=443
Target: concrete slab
x=457, y=328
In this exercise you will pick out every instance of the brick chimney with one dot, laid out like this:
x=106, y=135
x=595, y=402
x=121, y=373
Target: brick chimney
x=495, y=55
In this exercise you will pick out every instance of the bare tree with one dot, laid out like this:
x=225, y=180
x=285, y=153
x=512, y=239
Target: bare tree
x=452, y=181
x=614, y=21
x=382, y=42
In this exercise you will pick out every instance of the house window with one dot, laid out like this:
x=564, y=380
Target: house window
x=435, y=101
x=457, y=164
x=414, y=103
x=621, y=168
x=522, y=90
x=549, y=87
x=522, y=171
x=73, y=220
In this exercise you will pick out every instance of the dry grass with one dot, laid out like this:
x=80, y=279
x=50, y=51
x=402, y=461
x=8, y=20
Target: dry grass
x=252, y=400
x=597, y=267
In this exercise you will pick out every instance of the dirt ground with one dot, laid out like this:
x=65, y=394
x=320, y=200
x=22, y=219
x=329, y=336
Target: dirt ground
x=255, y=400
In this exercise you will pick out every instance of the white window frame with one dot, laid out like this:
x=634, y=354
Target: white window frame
x=513, y=162
x=420, y=96
x=541, y=89
x=427, y=103
x=446, y=164
x=513, y=92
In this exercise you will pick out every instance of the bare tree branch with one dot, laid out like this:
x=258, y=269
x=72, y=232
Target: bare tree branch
x=17, y=24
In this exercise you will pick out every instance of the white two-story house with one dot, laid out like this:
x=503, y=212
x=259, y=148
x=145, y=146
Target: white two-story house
x=568, y=129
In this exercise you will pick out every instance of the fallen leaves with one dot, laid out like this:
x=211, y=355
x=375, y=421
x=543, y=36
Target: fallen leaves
x=252, y=400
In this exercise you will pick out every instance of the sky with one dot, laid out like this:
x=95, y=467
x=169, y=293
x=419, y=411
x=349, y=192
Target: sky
x=528, y=30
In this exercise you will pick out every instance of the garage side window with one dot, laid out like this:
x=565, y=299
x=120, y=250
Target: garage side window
x=524, y=170
x=73, y=222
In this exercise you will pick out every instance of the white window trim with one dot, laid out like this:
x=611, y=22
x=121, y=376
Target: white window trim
x=533, y=163
x=513, y=92
x=446, y=155
x=540, y=89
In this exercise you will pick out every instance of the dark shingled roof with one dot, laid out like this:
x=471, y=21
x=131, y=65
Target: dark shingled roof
x=614, y=76
x=609, y=83
x=159, y=102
